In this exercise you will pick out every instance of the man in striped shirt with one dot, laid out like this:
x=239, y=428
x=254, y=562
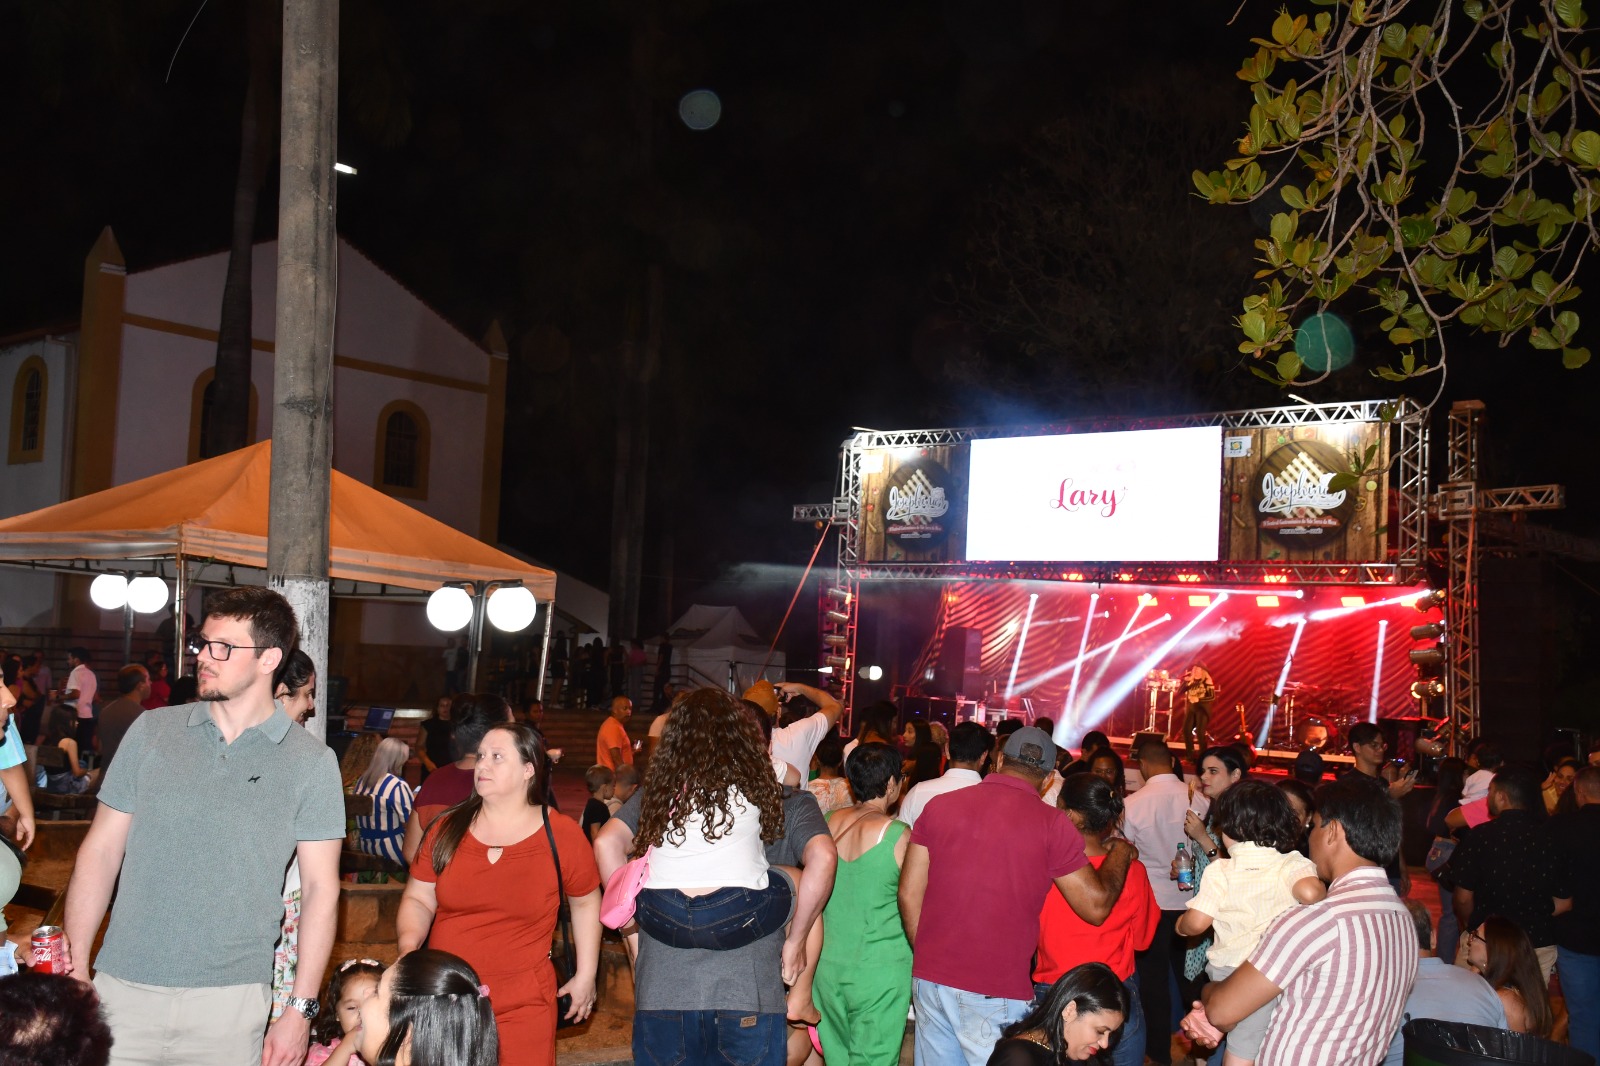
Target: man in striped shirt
x=1343, y=967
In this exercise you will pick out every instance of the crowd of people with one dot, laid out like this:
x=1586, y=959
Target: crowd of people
x=787, y=896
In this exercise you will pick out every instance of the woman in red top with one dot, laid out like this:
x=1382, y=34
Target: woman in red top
x=483, y=886
x=1065, y=940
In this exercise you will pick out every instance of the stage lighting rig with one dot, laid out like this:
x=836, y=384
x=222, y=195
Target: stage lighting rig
x=1430, y=600
x=1431, y=689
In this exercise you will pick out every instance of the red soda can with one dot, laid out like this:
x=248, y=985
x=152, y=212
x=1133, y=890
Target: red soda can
x=49, y=949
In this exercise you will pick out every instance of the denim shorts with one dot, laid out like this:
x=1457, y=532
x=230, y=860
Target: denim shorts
x=721, y=920
x=722, y=1037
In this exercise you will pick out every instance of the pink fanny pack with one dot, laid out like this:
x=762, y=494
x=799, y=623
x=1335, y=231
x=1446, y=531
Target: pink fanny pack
x=621, y=894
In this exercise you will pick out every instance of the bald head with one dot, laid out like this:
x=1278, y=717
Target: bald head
x=1587, y=785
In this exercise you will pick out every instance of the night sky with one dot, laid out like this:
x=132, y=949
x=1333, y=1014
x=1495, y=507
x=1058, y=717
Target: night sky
x=526, y=162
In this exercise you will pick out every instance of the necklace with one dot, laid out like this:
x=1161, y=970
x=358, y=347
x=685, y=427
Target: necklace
x=1034, y=1037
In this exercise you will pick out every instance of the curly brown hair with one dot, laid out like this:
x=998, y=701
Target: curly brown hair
x=711, y=746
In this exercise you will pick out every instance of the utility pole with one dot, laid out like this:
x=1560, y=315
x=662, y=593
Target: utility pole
x=302, y=394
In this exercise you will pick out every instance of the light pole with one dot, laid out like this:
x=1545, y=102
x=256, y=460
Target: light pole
x=507, y=605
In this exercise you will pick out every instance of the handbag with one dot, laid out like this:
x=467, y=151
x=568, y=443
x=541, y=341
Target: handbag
x=566, y=963
x=621, y=895
x=1438, y=862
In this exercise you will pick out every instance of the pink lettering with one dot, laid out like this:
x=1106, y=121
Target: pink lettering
x=1069, y=498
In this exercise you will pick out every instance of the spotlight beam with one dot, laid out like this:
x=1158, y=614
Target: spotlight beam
x=1106, y=703
x=1283, y=679
x=1022, y=642
x=1083, y=646
x=1105, y=664
x=1377, y=671
x=1339, y=612
x=1061, y=668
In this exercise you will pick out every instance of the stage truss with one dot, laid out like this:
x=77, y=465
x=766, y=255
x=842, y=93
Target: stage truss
x=1408, y=535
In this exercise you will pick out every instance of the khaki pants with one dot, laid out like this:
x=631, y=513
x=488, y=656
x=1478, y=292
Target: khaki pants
x=152, y=1025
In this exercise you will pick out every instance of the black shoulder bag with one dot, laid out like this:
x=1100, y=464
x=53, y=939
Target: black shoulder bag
x=566, y=964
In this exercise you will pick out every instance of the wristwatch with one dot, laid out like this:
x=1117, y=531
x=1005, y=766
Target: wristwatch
x=308, y=1007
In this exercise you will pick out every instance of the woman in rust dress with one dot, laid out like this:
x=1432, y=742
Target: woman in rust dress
x=483, y=886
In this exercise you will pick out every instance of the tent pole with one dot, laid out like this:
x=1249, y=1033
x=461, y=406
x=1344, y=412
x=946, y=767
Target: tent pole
x=544, y=649
x=180, y=615
x=127, y=634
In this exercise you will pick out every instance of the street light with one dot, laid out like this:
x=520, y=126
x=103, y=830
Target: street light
x=115, y=592
x=507, y=605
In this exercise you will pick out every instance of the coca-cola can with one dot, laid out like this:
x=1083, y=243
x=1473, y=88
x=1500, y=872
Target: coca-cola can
x=49, y=949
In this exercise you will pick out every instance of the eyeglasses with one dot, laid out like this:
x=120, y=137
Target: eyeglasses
x=218, y=650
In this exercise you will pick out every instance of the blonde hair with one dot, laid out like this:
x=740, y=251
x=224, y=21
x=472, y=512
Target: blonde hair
x=390, y=758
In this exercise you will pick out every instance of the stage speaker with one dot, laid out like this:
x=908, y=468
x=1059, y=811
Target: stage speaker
x=913, y=706
x=959, y=655
x=942, y=711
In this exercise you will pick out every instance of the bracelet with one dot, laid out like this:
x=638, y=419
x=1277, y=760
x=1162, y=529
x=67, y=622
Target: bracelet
x=1212, y=853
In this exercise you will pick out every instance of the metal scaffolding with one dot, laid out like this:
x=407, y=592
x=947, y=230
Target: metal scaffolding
x=1408, y=533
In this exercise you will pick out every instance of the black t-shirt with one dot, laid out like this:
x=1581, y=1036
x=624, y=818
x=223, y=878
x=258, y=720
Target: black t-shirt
x=436, y=736
x=1015, y=1051
x=1511, y=868
x=1575, y=835
x=595, y=815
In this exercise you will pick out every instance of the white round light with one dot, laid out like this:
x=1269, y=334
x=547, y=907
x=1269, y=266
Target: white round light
x=512, y=608
x=147, y=595
x=450, y=608
x=870, y=673
x=700, y=109
x=109, y=592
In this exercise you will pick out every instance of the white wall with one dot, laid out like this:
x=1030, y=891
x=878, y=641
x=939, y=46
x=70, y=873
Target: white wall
x=27, y=598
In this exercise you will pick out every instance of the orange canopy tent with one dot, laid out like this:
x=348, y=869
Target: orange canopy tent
x=215, y=512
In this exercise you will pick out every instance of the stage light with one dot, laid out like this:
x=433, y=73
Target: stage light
x=1199, y=601
x=1429, y=600
x=511, y=608
x=842, y=595
x=1146, y=600
x=1073, y=575
x=147, y=594
x=1377, y=671
x=1083, y=646
x=824, y=669
x=840, y=661
x=1266, y=601
x=1022, y=642
x=450, y=608
x=109, y=592
x=834, y=640
x=1189, y=578
x=870, y=673
x=1433, y=656
x=1431, y=631
x=1430, y=689
x=1353, y=601
x=1275, y=579
x=1124, y=577
x=1283, y=679
x=837, y=616
x=1107, y=702
x=344, y=168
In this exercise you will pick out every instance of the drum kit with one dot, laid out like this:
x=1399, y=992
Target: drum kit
x=1308, y=717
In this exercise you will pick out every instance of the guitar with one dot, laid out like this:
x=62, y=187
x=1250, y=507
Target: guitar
x=1245, y=736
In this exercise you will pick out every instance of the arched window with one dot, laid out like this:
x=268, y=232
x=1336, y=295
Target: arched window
x=201, y=401
x=28, y=395
x=401, y=464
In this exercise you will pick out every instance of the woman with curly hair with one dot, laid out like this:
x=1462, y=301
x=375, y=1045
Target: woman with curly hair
x=711, y=802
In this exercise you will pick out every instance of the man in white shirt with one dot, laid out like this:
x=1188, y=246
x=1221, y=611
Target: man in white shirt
x=797, y=742
x=970, y=747
x=79, y=694
x=1484, y=759
x=1153, y=823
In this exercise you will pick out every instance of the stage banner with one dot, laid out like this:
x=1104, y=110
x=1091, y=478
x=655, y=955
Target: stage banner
x=1279, y=503
x=914, y=504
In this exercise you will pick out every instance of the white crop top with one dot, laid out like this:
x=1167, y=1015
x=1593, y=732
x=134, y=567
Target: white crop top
x=735, y=859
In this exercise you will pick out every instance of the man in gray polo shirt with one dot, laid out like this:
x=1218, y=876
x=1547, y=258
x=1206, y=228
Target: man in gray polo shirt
x=200, y=814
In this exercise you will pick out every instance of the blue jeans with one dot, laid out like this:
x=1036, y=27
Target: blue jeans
x=954, y=1026
x=1127, y=1044
x=1449, y=928
x=722, y=920
x=717, y=1037
x=1580, y=983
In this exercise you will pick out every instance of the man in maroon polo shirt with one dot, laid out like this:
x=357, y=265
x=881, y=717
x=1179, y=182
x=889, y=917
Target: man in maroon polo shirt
x=974, y=879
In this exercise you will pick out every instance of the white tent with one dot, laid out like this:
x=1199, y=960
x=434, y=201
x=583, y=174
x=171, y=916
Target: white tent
x=717, y=646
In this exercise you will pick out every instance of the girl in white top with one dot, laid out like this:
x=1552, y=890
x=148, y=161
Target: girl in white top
x=1239, y=896
x=711, y=803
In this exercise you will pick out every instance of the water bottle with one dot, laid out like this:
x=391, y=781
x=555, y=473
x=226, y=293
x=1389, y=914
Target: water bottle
x=1185, y=870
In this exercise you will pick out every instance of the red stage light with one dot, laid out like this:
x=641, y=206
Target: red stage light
x=1276, y=579
x=1266, y=601
x=1146, y=600
x=1189, y=578
x=1199, y=600
x=1352, y=601
x=1073, y=576
x=1124, y=577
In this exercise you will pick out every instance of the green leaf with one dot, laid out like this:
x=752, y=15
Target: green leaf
x=1283, y=28
x=1293, y=197
x=1586, y=148
x=1543, y=339
x=1254, y=326
x=1570, y=12
x=1342, y=482
x=1573, y=358
x=1505, y=260
x=1288, y=366
x=1267, y=375
x=1566, y=326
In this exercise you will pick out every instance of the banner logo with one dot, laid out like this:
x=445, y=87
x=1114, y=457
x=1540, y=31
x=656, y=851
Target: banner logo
x=1293, y=503
x=916, y=502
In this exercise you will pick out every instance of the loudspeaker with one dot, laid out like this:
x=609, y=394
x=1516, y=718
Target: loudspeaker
x=943, y=711
x=1401, y=733
x=959, y=655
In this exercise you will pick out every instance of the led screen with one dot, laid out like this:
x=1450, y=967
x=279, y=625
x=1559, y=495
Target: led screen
x=1142, y=496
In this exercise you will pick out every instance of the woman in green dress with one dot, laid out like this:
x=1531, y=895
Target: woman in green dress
x=863, y=983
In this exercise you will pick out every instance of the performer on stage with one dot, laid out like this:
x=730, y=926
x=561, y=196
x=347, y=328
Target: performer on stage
x=1199, y=691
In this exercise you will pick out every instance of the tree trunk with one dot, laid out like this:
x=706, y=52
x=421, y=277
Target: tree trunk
x=302, y=453
x=228, y=426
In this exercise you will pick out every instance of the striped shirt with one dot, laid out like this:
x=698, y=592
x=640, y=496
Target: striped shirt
x=1345, y=966
x=384, y=830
